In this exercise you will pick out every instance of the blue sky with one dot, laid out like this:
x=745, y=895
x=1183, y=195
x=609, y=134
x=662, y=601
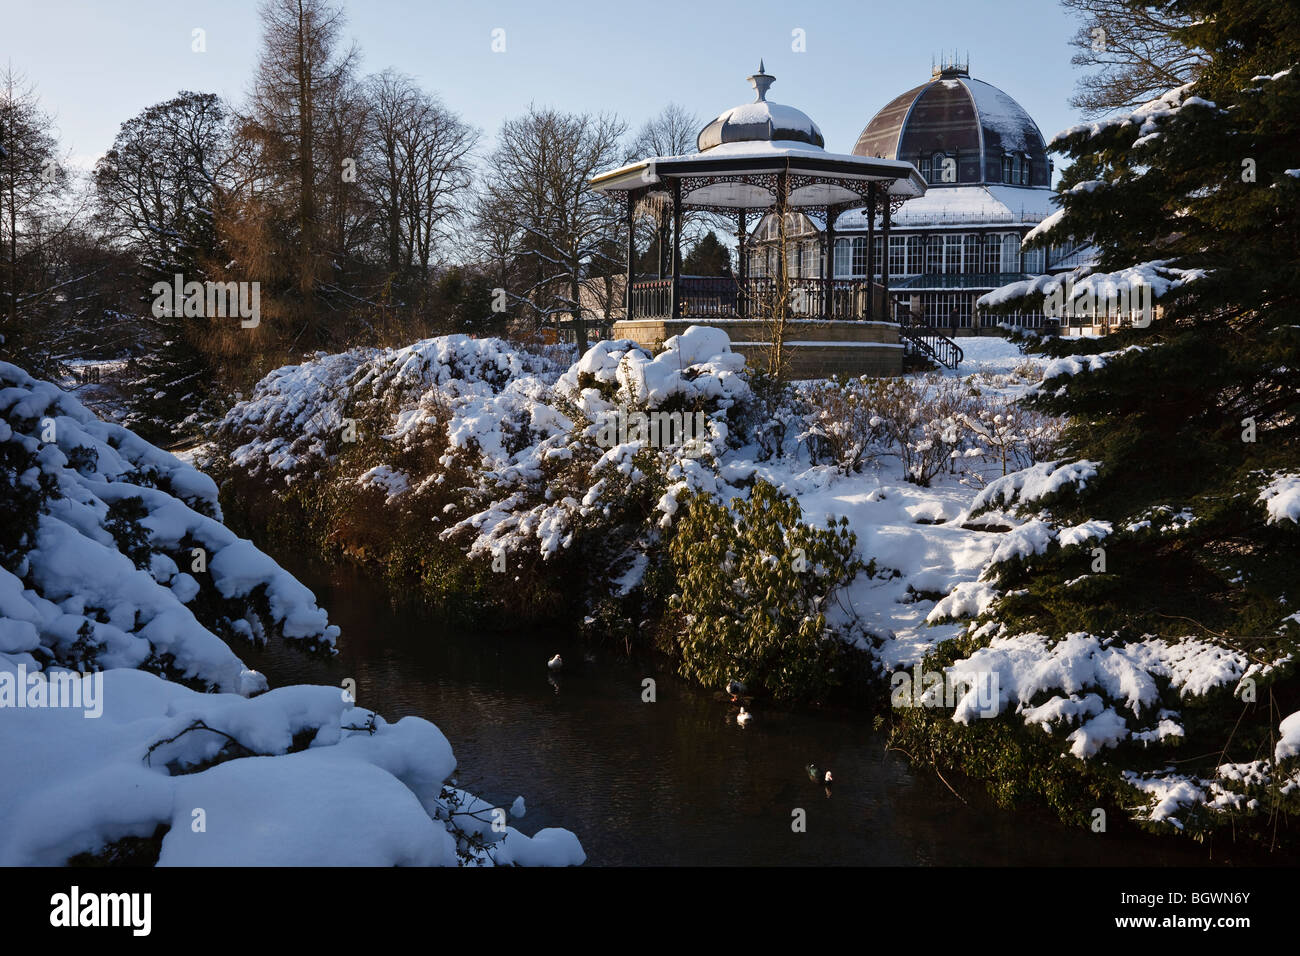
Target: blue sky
x=99, y=63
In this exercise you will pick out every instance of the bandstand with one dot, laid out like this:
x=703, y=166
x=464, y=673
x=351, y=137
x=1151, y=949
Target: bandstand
x=763, y=161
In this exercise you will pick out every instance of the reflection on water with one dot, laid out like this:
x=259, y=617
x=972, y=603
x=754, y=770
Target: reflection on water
x=674, y=782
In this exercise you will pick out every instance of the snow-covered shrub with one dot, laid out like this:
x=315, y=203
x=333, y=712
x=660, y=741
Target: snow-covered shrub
x=415, y=458
x=845, y=425
x=923, y=420
x=114, y=552
x=753, y=586
x=142, y=736
x=1010, y=434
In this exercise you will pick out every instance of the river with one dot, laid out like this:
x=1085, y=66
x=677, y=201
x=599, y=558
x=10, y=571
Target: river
x=676, y=781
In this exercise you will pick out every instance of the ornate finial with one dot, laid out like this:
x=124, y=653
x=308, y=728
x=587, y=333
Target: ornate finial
x=760, y=81
x=950, y=66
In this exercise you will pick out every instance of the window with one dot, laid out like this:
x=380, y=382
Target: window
x=1034, y=262
x=915, y=255
x=897, y=255
x=924, y=163
x=1015, y=168
x=1011, y=253
x=943, y=171
x=1006, y=169
x=860, y=256
x=992, y=253
x=843, y=265
x=934, y=254
x=1024, y=172
x=947, y=309
x=758, y=264
x=876, y=262
x=952, y=253
x=971, y=253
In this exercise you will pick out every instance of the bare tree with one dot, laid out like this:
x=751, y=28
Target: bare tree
x=1133, y=48
x=418, y=174
x=538, y=179
x=301, y=74
x=37, y=214
x=671, y=133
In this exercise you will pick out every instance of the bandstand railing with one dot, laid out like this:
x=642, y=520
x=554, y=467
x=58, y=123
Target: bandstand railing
x=724, y=297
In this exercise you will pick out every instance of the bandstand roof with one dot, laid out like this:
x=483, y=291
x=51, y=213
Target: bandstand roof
x=741, y=155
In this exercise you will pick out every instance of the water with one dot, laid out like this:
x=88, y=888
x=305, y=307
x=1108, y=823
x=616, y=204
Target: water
x=674, y=782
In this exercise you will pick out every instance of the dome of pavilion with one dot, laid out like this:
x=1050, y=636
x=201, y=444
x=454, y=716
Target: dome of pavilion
x=761, y=121
x=986, y=134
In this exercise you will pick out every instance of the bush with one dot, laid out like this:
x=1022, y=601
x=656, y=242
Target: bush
x=753, y=581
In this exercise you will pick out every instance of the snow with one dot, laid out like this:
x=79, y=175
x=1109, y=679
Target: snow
x=1148, y=117
x=1157, y=275
x=1288, y=744
x=964, y=204
x=1281, y=498
x=1034, y=483
x=1003, y=115
x=75, y=577
x=781, y=117
x=99, y=624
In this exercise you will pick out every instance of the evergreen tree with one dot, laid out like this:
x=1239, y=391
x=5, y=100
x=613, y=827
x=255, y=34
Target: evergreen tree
x=708, y=257
x=1183, y=436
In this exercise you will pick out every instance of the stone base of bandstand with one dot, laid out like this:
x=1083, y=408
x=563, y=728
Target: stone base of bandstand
x=815, y=348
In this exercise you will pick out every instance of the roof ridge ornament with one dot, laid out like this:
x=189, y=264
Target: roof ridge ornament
x=760, y=81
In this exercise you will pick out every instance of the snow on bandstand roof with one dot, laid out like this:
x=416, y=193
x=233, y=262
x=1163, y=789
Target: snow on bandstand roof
x=764, y=137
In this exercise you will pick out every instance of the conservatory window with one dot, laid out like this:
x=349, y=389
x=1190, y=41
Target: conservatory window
x=876, y=261
x=952, y=254
x=897, y=255
x=860, y=256
x=1011, y=253
x=1024, y=172
x=925, y=168
x=972, y=253
x=1006, y=169
x=939, y=164
x=915, y=255
x=934, y=254
x=992, y=254
x=843, y=264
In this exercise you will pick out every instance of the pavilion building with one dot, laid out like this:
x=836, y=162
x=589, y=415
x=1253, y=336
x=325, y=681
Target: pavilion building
x=988, y=180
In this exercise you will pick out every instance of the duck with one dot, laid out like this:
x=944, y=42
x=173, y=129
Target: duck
x=744, y=717
x=819, y=776
x=555, y=663
x=735, y=688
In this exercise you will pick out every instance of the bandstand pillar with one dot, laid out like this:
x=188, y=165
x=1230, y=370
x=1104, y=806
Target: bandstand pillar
x=742, y=264
x=674, y=301
x=871, y=250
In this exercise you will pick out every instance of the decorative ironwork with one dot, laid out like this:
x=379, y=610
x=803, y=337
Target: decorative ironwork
x=859, y=187
x=766, y=181
x=929, y=342
x=725, y=297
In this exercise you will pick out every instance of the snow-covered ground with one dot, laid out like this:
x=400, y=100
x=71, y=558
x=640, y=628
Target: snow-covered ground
x=992, y=354
x=124, y=711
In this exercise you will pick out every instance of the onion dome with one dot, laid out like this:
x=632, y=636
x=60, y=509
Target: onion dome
x=761, y=121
